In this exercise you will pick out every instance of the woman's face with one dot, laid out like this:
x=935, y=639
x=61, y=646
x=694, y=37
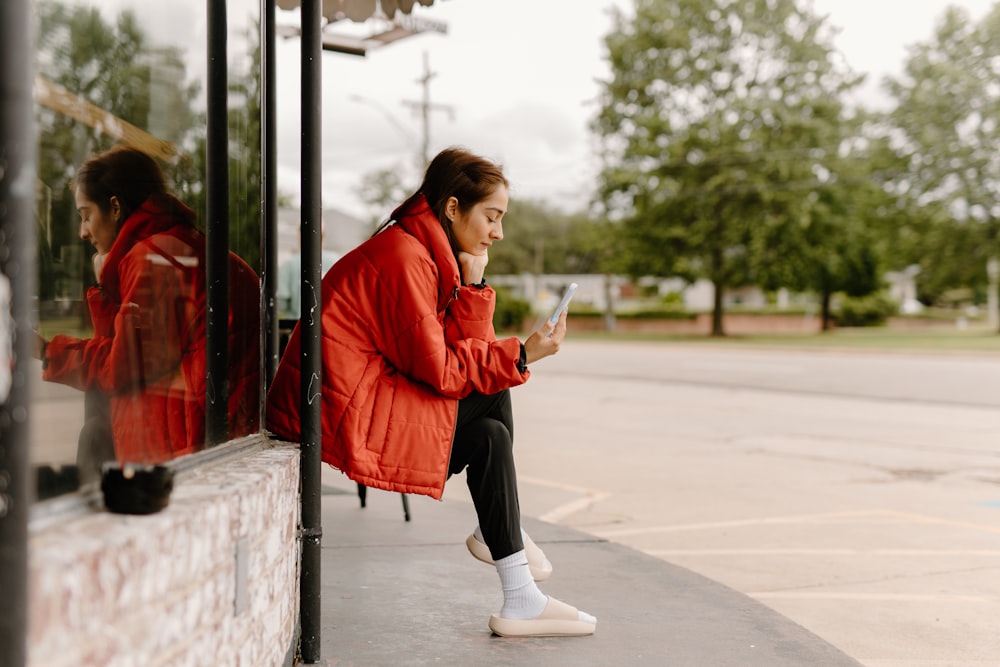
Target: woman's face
x=476, y=229
x=97, y=226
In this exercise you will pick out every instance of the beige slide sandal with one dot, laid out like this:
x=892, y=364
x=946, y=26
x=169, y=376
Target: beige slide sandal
x=539, y=565
x=557, y=620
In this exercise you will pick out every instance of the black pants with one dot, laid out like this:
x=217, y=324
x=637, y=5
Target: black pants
x=484, y=446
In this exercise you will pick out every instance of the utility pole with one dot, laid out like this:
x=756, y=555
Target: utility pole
x=425, y=107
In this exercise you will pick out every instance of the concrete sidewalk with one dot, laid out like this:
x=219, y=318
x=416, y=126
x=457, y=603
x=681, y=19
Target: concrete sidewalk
x=409, y=593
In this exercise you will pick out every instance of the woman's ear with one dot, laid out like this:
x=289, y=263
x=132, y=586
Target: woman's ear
x=116, y=208
x=451, y=208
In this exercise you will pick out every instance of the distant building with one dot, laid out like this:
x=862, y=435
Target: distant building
x=342, y=231
x=903, y=289
x=543, y=292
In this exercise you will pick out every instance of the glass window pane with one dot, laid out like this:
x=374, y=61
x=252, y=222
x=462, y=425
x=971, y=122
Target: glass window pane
x=125, y=369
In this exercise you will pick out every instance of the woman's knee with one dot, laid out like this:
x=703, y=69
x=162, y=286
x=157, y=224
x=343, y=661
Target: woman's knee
x=498, y=436
x=479, y=442
x=489, y=438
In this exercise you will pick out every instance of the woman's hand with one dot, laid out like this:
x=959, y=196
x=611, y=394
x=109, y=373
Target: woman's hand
x=473, y=267
x=546, y=341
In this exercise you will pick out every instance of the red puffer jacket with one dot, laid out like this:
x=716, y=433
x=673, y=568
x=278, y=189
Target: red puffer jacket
x=402, y=341
x=148, y=348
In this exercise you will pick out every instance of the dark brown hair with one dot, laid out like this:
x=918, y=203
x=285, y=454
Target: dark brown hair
x=123, y=172
x=456, y=172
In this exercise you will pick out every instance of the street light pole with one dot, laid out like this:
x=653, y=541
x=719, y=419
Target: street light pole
x=394, y=121
x=425, y=82
x=386, y=113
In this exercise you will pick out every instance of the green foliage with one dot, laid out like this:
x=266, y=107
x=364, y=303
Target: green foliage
x=673, y=300
x=657, y=314
x=539, y=239
x=946, y=129
x=245, y=175
x=588, y=246
x=649, y=290
x=382, y=190
x=115, y=67
x=718, y=121
x=511, y=312
x=530, y=231
x=245, y=169
x=865, y=311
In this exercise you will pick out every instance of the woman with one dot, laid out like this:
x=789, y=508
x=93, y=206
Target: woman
x=416, y=384
x=147, y=354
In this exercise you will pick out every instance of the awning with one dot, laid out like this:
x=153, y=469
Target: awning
x=360, y=10
x=387, y=21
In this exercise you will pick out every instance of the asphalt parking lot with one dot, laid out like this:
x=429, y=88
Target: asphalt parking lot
x=856, y=493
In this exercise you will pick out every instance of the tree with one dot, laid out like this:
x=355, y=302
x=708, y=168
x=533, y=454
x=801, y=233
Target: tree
x=245, y=175
x=946, y=123
x=539, y=239
x=382, y=190
x=718, y=120
x=112, y=67
x=843, y=244
x=244, y=149
x=531, y=232
x=589, y=246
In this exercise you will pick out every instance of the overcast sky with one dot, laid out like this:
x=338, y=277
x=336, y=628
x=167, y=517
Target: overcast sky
x=515, y=80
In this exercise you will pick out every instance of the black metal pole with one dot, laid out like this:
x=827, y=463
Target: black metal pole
x=269, y=191
x=217, y=230
x=17, y=266
x=312, y=211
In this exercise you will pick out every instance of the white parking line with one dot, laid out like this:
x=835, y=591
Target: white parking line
x=590, y=497
x=887, y=515
x=563, y=511
x=989, y=553
x=759, y=521
x=922, y=518
x=872, y=597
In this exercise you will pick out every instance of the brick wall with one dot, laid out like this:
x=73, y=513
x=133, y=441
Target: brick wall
x=211, y=580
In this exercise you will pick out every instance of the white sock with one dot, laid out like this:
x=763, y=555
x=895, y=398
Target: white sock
x=521, y=598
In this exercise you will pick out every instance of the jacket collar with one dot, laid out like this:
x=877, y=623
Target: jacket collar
x=416, y=218
x=155, y=215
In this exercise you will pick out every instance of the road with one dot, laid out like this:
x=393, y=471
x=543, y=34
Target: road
x=857, y=493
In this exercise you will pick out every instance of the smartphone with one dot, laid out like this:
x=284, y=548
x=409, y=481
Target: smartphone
x=567, y=295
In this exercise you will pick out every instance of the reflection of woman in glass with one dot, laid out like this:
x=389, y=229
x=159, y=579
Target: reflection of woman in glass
x=147, y=354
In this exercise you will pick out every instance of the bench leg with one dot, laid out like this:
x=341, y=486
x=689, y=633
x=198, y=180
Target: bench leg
x=363, y=495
